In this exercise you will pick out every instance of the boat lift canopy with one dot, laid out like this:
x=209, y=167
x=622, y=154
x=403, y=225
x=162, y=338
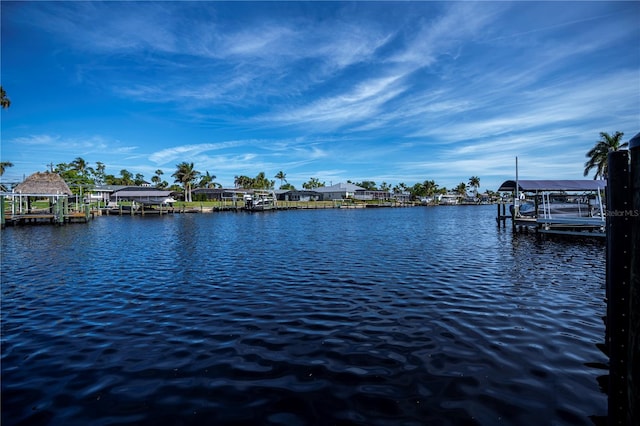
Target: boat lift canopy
x=553, y=185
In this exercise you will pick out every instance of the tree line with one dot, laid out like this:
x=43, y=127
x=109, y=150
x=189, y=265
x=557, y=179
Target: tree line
x=80, y=174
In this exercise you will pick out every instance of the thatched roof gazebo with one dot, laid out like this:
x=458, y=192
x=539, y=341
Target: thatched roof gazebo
x=40, y=185
x=43, y=184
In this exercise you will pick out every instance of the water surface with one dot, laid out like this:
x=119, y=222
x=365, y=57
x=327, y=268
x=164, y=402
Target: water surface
x=371, y=316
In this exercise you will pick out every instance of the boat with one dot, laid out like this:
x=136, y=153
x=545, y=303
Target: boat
x=548, y=207
x=260, y=201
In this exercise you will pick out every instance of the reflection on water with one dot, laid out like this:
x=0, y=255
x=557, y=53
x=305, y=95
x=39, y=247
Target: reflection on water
x=373, y=316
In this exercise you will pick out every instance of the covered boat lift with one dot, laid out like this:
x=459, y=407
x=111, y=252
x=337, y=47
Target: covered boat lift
x=553, y=185
x=548, y=216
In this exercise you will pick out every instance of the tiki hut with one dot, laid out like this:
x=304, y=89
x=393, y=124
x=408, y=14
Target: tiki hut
x=41, y=185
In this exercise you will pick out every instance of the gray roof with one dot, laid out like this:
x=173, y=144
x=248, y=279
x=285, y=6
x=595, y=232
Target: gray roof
x=298, y=191
x=136, y=188
x=109, y=188
x=147, y=192
x=208, y=190
x=43, y=184
x=339, y=187
x=553, y=185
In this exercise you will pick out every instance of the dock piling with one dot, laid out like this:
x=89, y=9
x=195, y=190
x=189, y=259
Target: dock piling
x=502, y=217
x=634, y=291
x=622, y=284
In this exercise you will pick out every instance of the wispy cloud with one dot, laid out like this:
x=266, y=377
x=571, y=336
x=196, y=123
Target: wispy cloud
x=79, y=145
x=362, y=102
x=188, y=152
x=446, y=33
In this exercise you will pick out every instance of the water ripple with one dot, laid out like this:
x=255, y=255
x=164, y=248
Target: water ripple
x=375, y=316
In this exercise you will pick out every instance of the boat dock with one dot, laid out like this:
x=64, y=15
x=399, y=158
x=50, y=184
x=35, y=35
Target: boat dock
x=563, y=207
x=58, y=213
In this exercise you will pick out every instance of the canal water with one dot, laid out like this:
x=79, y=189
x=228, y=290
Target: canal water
x=412, y=316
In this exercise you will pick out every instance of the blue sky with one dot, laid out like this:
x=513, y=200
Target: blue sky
x=383, y=91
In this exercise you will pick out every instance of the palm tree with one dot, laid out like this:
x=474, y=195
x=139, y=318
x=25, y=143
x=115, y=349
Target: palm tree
x=157, y=178
x=4, y=101
x=430, y=188
x=461, y=189
x=138, y=179
x=474, y=182
x=126, y=177
x=4, y=165
x=282, y=176
x=400, y=188
x=81, y=166
x=207, y=181
x=261, y=182
x=313, y=183
x=597, y=156
x=186, y=175
x=243, y=182
x=98, y=174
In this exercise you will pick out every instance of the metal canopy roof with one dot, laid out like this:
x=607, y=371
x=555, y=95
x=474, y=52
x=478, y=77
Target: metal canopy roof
x=553, y=185
x=141, y=193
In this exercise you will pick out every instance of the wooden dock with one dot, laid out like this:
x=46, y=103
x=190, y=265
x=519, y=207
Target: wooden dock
x=58, y=212
x=579, y=226
x=45, y=218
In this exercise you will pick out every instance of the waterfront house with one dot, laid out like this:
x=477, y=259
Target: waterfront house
x=208, y=194
x=449, y=199
x=296, y=195
x=220, y=194
x=339, y=191
x=102, y=193
x=370, y=195
x=402, y=197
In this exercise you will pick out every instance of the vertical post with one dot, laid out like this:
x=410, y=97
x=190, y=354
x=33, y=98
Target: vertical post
x=617, y=276
x=1, y=211
x=60, y=210
x=634, y=296
x=517, y=199
x=504, y=215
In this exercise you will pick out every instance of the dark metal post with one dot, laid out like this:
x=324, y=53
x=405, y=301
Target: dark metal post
x=504, y=215
x=634, y=296
x=1, y=211
x=618, y=275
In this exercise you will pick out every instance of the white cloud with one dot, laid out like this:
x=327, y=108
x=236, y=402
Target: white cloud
x=362, y=102
x=186, y=152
